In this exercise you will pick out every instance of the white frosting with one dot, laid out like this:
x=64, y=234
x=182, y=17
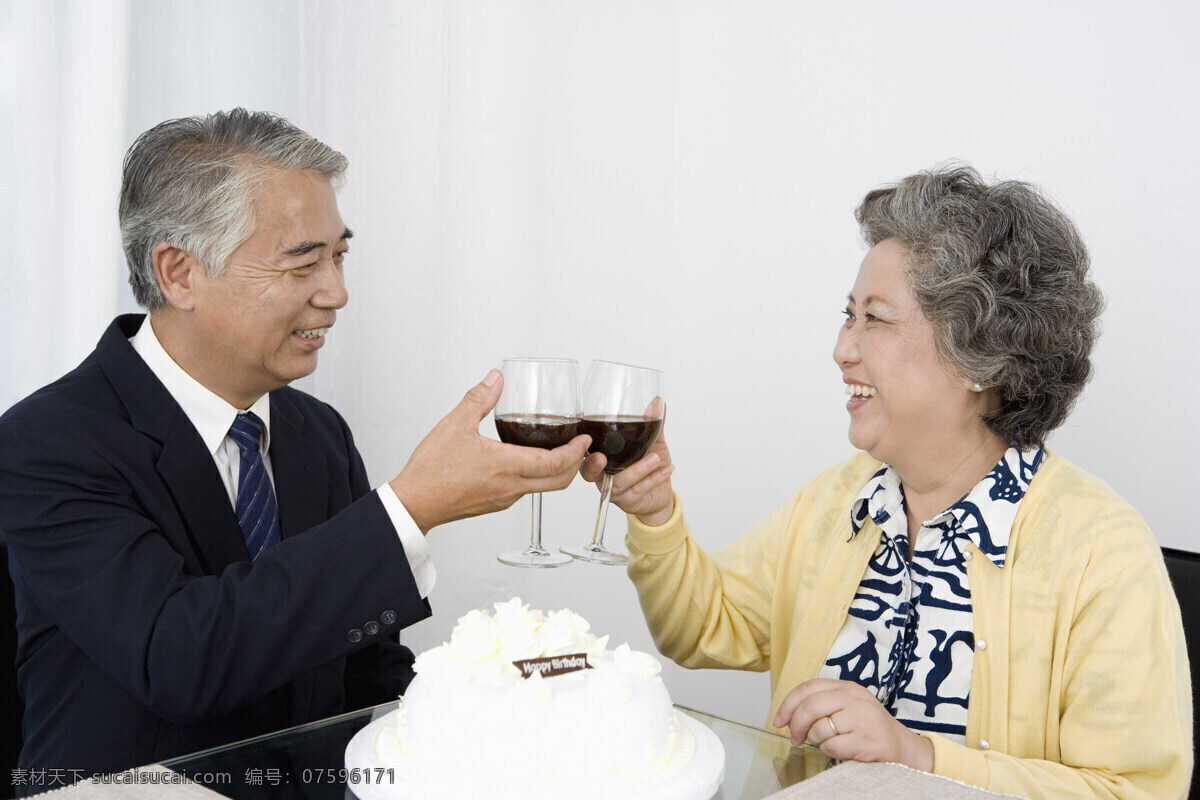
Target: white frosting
x=470, y=722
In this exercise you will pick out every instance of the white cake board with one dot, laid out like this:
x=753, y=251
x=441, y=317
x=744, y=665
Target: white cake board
x=699, y=780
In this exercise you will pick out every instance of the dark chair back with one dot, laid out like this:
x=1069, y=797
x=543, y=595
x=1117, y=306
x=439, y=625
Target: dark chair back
x=1184, y=569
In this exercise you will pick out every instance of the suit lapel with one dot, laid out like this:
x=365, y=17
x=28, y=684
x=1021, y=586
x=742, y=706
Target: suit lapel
x=189, y=472
x=184, y=464
x=302, y=490
x=300, y=468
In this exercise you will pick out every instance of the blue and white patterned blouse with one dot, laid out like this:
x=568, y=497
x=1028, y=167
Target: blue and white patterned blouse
x=909, y=636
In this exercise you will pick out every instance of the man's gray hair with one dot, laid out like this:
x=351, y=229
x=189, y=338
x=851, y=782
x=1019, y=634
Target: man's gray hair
x=1002, y=275
x=192, y=182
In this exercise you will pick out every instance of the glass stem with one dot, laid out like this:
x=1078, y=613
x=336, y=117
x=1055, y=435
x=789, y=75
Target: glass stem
x=535, y=531
x=602, y=514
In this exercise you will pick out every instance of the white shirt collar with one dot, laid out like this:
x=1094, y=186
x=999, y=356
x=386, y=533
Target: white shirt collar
x=209, y=413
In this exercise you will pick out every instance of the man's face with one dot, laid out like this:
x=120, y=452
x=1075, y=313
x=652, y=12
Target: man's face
x=262, y=321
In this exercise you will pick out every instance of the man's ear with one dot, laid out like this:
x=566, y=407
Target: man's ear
x=175, y=269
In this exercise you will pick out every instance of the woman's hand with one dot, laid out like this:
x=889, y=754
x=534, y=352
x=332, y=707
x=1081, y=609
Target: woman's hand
x=849, y=723
x=643, y=488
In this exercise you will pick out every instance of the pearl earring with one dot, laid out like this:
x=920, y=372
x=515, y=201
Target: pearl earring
x=977, y=388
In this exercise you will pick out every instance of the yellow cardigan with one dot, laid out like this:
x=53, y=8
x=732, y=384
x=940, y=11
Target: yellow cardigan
x=1080, y=686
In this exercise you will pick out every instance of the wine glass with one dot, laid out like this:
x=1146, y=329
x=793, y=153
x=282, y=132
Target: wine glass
x=623, y=412
x=539, y=407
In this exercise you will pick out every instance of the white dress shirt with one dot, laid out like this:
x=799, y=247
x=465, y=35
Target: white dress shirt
x=213, y=417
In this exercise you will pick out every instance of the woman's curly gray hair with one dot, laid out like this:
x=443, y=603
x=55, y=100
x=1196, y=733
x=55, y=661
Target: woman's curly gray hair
x=1002, y=275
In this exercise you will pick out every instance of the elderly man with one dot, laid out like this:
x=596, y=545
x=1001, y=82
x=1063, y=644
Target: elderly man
x=196, y=553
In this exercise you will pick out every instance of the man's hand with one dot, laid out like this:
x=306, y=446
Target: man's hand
x=456, y=473
x=643, y=488
x=847, y=722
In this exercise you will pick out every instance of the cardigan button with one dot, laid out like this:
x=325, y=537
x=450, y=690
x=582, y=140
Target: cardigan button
x=983, y=744
x=980, y=645
x=966, y=555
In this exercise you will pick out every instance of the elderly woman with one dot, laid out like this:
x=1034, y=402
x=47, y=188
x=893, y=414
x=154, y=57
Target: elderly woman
x=957, y=597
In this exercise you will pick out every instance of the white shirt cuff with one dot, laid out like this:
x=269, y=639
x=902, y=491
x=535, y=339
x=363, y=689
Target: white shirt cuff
x=415, y=546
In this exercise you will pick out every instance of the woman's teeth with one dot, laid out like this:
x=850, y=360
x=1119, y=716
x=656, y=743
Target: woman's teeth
x=312, y=333
x=859, y=390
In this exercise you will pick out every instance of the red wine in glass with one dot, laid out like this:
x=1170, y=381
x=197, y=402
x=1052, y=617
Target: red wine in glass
x=547, y=431
x=623, y=440
x=539, y=407
x=623, y=412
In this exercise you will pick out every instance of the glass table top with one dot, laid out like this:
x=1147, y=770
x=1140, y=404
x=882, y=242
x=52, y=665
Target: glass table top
x=308, y=761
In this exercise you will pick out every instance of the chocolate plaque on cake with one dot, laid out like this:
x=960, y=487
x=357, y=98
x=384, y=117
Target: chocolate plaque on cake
x=552, y=665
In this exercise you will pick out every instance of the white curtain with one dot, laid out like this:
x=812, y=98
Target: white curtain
x=666, y=183
x=65, y=76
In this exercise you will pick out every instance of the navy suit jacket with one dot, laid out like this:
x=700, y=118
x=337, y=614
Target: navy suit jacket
x=144, y=632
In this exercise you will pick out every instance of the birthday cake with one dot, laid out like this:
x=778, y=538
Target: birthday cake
x=524, y=704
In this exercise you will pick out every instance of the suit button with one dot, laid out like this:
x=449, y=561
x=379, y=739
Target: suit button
x=388, y=617
x=354, y=635
x=371, y=628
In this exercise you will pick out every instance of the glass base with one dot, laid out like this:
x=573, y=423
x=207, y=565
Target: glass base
x=596, y=555
x=534, y=559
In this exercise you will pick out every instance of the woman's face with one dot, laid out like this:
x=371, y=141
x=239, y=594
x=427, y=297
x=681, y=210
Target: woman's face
x=904, y=403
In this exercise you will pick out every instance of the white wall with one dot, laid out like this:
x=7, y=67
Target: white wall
x=667, y=183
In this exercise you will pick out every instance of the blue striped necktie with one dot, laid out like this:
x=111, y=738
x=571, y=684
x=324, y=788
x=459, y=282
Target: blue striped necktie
x=257, y=511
